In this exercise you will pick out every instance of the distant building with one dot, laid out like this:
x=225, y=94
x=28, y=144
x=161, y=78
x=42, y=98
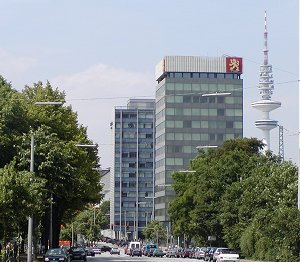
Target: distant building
x=266, y=87
x=132, y=174
x=199, y=103
x=105, y=182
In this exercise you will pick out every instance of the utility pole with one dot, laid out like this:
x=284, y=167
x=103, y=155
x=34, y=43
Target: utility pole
x=30, y=220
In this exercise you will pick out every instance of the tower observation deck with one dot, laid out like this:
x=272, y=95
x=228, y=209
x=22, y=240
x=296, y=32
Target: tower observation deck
x=266, y=87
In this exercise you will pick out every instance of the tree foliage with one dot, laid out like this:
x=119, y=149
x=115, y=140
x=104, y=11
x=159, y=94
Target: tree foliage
x=154, y=232
x=240, y=196
x=88, y=222
x=62, y=171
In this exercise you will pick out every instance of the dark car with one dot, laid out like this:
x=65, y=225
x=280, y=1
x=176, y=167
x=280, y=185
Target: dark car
x=56, y=254
x=208, y=256
x=89, y=252
x=136, y=252
x=77, y=253
x=105, y=248
x=158, y=252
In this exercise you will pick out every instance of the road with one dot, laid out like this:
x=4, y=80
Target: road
x=106, y=256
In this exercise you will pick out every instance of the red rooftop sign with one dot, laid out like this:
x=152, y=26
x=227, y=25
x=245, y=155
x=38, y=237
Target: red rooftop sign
x=234, y=65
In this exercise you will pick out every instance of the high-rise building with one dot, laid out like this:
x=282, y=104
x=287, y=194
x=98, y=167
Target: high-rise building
x=132, y=174
x=199, y=102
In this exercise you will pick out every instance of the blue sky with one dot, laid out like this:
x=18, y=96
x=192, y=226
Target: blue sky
x=103, y=52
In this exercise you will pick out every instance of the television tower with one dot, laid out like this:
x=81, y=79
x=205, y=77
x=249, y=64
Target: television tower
x=265, y=87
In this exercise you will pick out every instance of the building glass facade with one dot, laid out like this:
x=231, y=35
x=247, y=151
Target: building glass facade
x=133, y=168
x=192, y=109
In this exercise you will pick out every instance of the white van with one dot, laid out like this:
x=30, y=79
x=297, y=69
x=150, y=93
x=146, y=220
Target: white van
x=134, y=248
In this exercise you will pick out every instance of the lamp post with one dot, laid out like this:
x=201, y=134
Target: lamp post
x=153, y=206
x=30, y=219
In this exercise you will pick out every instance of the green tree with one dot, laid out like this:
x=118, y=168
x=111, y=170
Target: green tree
x=61, y=169
x=88, y=223
x=155, y=232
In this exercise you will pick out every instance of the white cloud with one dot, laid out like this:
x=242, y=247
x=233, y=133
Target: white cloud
x=88, y=92
x=10, y=64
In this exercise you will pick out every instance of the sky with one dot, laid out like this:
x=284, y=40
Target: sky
x=103, y=52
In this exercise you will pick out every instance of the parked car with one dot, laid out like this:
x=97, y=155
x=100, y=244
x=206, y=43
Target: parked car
x=178, y=252
x=115, y=250
x=158, y=252
x=171, y=252
x=56, y=254
x=97, y=250
x=225, y=254
x=148, y=249
x=89, y=252
x=136, y=252
x=186, y=252
x=192, y=253
x=77, y=253
x=200, y=252
x=208, y=256
x=105, y=248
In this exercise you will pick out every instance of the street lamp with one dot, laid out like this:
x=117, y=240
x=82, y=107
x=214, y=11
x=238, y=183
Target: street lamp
x=30, y=219
x=153, y=206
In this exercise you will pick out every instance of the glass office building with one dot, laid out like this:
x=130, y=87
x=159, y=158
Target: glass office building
x=132, y=181
x=199, y=102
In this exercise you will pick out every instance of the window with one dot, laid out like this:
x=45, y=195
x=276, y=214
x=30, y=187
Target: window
x=229, y=124
x=229, y=76
x=178, y=99
x=187, y=124
x=187, y=99
x=186, y=75
x=211, y=99
x=132, y=165
x=196, y=99
x=221, y=112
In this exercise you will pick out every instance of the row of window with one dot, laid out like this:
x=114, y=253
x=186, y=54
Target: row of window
x=141, y=174
x=133, y=135
x=134, y=155
x=133, y=184
x=202, y=75
x=134, y=165
x=134, y=145
x=201, y=124
x=142, y=115
x=133, y=194
x=195, y=137
x=198, y=88
x=179, y=99
x=133, y=125
x=202, y=112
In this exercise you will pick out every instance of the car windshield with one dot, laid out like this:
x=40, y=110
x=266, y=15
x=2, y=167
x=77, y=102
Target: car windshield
x=77, y=249
x=228, y=251
x=55, y=251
